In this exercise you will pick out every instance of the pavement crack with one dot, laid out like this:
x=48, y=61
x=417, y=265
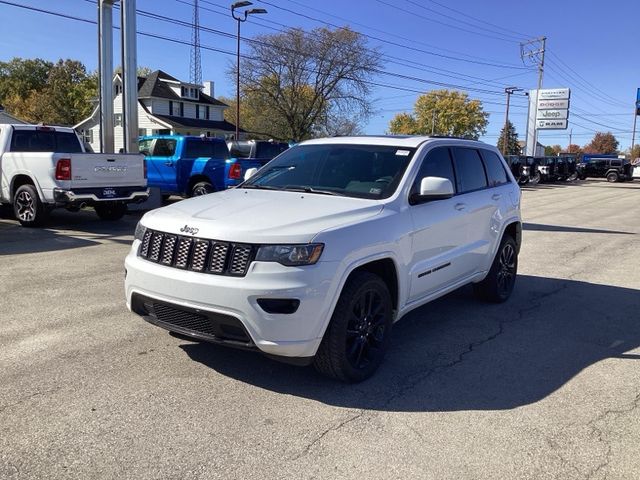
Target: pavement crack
x=319, y=438
x=27, y=398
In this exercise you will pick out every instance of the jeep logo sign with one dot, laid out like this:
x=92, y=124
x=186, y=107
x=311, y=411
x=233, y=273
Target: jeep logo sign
x=189, y=230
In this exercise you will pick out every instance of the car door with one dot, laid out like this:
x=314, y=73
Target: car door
x=478, y=203
x=162, y=165
x=439, y=231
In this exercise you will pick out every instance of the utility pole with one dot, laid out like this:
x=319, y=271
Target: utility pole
x=509, y=91
x=570, y=135
x=633, y=135
x=195, y=64
x=534, y=52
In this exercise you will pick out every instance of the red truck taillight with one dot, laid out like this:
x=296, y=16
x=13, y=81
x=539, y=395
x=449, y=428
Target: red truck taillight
x=63, y=169
x=235, y=172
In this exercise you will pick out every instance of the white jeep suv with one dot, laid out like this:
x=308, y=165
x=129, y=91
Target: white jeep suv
x=314, y=257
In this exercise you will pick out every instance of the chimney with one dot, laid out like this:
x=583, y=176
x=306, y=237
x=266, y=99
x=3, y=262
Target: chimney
x=208, y=88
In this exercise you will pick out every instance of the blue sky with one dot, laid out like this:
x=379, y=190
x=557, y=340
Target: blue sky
x=592, y=48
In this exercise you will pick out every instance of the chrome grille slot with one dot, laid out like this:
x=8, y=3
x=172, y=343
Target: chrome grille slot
x=199, y=256
x=156, y=245
x=182, y=255
x=218, y=257
x=240, y=259
x=168, y=247
x=196, y=254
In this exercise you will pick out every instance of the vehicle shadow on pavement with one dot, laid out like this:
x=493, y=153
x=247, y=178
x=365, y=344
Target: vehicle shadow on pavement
x=63, y=230
x=460, y=354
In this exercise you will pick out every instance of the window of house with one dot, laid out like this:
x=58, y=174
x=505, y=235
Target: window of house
x=207, y=112
x=170, y=107
x=182, y=109
x=197, y=111
x=142, y=132
x=182, y=89
x=87, y=136
x=470, y=173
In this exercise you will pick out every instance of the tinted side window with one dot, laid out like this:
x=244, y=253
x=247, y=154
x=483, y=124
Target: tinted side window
x=164, y=147
x=206, y=148
x=437, y=163
x=469, y=169
x=616, y=163
x=495, y=170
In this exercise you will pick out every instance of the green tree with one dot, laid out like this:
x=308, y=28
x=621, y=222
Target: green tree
x=305, y=84
x=548, y=151
x=513, y=148
x=40, y=91
x=602, y=143
x=453, y=112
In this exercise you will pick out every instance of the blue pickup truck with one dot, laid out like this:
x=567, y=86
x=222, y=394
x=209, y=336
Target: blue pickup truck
x=190, y=166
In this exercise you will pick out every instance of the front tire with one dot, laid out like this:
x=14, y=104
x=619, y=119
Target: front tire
x=111, y=211
x=499, y=282
x=28, y=208
x=357, y=338
x=612, y=177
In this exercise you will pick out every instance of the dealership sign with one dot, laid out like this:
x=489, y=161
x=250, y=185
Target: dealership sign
x=552, y=109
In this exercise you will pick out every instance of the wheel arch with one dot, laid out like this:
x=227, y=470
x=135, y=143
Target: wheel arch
x=197, y=178
x=23, y=179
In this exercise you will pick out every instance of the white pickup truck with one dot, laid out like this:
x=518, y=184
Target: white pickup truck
x=44, y=167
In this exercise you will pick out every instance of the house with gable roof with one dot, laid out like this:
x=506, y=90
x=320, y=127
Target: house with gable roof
x=166, y=106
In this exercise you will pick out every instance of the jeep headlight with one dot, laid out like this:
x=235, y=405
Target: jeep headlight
x=290, y=255
x=139, y=233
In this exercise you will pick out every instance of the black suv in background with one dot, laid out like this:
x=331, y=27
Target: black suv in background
x=259, y=150
x=613, y=169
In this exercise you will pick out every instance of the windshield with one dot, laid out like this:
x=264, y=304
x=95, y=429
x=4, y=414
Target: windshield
x=364, y=171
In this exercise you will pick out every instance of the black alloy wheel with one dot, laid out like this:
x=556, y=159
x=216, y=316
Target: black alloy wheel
x=498, y=285
x=357, y=338
x=28, y=208
x=506, y=276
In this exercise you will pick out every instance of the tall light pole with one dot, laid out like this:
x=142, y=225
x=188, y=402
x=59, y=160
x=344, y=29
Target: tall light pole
x=509, y=91
x=242, y=17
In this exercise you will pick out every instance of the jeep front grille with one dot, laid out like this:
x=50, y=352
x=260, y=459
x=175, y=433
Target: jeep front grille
x=196, y=254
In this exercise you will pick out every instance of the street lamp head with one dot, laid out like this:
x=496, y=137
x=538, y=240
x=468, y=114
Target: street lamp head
x=256, y=10
x=240, y=5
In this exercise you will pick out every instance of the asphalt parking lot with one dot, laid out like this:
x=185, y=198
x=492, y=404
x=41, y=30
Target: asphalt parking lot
x=544, y=386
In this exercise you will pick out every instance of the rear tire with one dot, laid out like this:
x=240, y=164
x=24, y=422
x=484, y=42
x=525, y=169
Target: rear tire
x=201, y=188
x=357, y=338
x=612, y=177
x=499, y=282
x=111, y=211
x=28, y=208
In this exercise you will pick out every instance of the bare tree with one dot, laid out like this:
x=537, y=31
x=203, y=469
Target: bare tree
x=309, y=83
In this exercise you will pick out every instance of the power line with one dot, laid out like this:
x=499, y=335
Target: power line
x=183, y=42
x=427, y=52
x=407, y=39
x=508, y=37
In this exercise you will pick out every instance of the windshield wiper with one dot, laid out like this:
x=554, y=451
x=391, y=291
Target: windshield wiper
x=307, y=189
x=260, y=187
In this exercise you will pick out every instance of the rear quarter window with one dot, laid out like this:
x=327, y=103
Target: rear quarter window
x=496, y=175
x=470, y=174
x=206, y=148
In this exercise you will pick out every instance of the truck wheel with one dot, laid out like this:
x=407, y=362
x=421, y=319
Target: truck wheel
x=358, y=334
x=535, y=179
x=202, y=188
x=612, y=177
x=499, y=282
x=111, y=211
x=28, y=208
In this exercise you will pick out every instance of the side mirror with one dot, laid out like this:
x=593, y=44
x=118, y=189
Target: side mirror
x=433, y=188
x=146, y=153
x=250, y=173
